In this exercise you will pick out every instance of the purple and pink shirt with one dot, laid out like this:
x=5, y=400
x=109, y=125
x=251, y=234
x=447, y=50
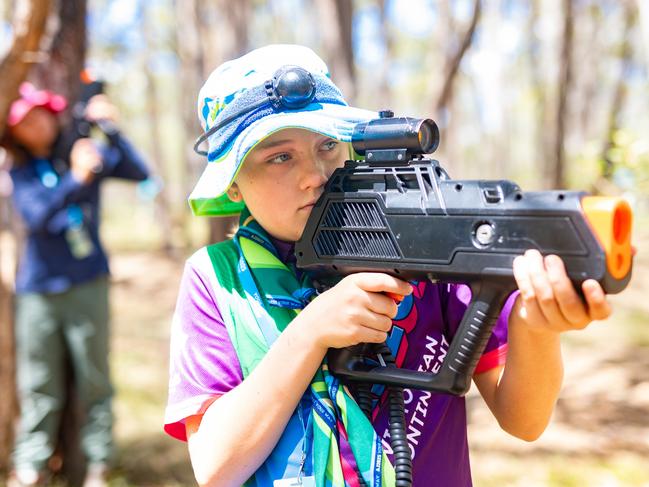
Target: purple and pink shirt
x=204, y=366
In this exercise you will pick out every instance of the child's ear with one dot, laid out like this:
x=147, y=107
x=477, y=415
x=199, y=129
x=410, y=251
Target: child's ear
x=234, y=194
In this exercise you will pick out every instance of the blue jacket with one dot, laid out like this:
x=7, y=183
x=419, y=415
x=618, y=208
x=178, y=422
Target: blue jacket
x=57, y=209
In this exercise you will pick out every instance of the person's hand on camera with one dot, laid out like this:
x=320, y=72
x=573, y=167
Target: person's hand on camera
x=100, y=108
x=85, y=161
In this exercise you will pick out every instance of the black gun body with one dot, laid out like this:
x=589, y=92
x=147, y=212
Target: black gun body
x=416, y=223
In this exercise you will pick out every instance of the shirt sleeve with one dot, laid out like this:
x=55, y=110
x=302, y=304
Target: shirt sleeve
x=495, y=354
x=121, y=160
x=203, y=363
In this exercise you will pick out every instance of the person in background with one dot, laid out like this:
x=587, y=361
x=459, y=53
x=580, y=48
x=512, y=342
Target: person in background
x=62, y=307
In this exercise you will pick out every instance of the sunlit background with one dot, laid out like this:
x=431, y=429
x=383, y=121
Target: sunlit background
x=548, y=93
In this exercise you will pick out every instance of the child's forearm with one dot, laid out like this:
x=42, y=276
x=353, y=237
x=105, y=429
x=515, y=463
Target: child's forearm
x=523, y=399
x=240, y=429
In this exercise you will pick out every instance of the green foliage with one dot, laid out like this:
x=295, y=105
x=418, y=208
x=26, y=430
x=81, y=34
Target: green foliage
x=624, y=165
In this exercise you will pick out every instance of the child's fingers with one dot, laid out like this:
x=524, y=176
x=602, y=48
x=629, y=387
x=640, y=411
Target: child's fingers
x=373, y=336
x=530, y=307
x=542, y=287
x=569, y=302
x=382, y=304
x=598, y=307
x=379, y=282
x=377, y=322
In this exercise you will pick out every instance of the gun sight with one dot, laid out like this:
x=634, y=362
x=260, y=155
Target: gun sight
x=415, y=136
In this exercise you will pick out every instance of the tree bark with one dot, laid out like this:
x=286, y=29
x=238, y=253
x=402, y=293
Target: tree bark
x=8, y=255
x=337, y=37
x=60, y=72
x=542, y=113
x=384, y=89
x=204, y=40
x=557, y=167
x=454, y=60
x=162, y=207
x=619, y=95
x=67, y=53
x=28, y=25
x=643, y=13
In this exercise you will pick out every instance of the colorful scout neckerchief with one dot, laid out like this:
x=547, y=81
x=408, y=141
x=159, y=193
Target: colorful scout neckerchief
x=342, y=439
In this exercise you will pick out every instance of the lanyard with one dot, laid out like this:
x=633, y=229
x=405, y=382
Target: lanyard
x=304, y=409
x=50, y=179
x=46, y=173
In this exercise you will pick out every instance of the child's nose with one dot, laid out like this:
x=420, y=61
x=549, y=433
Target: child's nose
x=316, y=174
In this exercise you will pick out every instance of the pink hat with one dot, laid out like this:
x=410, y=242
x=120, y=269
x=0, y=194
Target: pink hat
x=30, y=97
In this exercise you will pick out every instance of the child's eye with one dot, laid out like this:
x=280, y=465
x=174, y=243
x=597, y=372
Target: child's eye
x=279, y=158
x=329, y=145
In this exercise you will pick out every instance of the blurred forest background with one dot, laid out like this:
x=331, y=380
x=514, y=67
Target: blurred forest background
x=548, y=93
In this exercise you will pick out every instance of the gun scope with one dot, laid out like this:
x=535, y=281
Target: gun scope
x=416, y=135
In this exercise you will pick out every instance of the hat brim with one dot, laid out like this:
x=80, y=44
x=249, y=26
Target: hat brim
x=209, y=197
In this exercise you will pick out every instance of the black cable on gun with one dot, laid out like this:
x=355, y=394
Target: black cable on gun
x=397, y=426
x=396, y=421
x=364, y=398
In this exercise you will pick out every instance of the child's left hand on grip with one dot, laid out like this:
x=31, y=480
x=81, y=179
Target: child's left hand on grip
x=548, y=301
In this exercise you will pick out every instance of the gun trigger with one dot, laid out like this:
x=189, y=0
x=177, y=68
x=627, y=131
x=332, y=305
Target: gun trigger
x=397, y=297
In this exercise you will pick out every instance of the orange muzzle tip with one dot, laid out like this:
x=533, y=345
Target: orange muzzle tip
x=611, y=219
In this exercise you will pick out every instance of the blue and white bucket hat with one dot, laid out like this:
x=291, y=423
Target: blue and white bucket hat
x=248, y=99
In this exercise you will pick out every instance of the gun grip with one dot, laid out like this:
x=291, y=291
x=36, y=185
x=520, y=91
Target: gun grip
x=461, y=359
x=473, y=333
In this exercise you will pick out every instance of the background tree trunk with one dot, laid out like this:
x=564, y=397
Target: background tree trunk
x=28, y=24
x=337, y=16
x=222, y=27
x=60, y=72
x=192, y=67
x=453, y=61
x=8, y=253
x=161, y=203
x=556, y=175
x=384, y=89
x=619, y=95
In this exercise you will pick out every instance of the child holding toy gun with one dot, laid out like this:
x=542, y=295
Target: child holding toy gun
x=248, y=388
x=62, y=281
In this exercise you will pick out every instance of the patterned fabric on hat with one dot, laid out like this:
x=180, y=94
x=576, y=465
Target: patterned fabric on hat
x=237, y=87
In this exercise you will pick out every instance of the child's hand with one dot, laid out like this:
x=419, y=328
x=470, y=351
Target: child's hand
x=85, y=160
x=353, y=311
x=99, y=107
x=548, y=300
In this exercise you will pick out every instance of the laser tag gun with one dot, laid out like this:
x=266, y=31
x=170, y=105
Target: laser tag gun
x=398, y=212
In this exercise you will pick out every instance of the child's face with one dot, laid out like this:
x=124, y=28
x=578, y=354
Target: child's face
x=36, y=131
x=284, y=175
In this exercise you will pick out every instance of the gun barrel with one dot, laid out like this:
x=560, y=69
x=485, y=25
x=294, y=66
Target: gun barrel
x=611, y=219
